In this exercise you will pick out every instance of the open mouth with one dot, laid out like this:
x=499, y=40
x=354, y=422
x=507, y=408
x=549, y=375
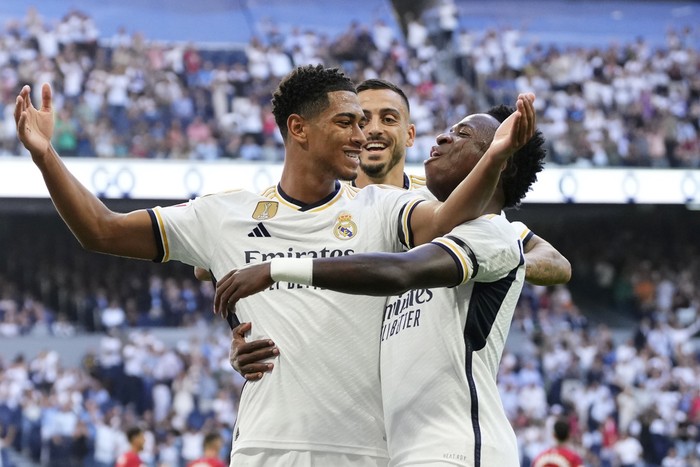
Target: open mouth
x=375, y=147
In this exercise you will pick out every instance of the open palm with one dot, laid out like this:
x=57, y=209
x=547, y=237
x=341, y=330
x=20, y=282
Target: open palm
x=516, y=130
x=34, y=127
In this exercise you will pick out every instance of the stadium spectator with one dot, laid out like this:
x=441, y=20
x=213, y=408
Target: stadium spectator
x=561, y=455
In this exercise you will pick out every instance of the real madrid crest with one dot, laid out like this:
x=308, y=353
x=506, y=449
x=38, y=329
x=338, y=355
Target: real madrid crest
x=345, y=228
x=265, y=210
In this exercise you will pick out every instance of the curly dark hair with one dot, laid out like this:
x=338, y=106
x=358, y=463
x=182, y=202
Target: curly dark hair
x=521, y=169
x=375, y=83
x=304, y=91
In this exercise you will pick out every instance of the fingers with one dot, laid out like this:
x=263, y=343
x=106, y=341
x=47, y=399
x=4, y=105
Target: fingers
x=46, y=97
x=26, y=96
x=241, y=329
x=22, y=124
x=248, y=357
x=223, y=293
x=525, y=128
x=19, y=108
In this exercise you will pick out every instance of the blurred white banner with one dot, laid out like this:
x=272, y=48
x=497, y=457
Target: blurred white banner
x=160, y=179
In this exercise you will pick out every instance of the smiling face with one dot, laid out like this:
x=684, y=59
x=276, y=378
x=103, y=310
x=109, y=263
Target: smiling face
x=388, y=131
x=457, y=152
x=334, y=138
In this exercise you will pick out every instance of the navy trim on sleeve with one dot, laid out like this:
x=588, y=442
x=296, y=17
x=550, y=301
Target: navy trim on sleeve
x=456, y=260
x=409, y=234
x=159, y=239
x=470, y=253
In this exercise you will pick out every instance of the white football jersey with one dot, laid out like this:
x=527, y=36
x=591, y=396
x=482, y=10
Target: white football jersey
x=324, y=393
x=440, y=350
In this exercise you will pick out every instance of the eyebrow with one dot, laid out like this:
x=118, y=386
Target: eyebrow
x=459, y=126
x=349, y=115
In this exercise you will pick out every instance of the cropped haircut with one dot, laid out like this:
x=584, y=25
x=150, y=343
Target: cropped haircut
x=133, y=432
x=561, y=430
x=304, y=91
x=211, y=438
x=383, y=84
x=522, y=168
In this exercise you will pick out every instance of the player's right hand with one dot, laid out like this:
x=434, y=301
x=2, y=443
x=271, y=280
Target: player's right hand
x=34, y=127
x=247, y=358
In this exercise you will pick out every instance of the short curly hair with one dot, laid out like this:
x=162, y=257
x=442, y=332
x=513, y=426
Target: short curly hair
x=521, y=169
x=304, y=91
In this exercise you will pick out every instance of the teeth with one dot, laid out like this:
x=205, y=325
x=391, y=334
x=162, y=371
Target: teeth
x=375, y=146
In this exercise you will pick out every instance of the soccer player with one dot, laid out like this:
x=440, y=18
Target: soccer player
x=443, y=336
x=131, y=458
x=212, y=447
x=294, y=417
x=560, y=455
x=389, y=133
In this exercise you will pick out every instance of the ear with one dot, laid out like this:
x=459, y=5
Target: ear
x=411, y=135
x=296, y=128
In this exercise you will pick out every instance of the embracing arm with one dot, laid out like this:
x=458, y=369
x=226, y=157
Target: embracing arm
x=379, y=274
x=544, y=264
x=96, y=227
x=468, y=201
x=383, y=274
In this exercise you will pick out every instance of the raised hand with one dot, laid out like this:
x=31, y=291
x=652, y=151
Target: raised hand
x=34, y=127
x=516, y=130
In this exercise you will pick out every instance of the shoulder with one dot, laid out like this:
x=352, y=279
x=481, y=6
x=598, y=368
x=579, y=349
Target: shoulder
x=416, y=182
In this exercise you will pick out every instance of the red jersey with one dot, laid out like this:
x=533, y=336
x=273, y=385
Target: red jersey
x=207, y=462
x=558, y=457
x=129, y=459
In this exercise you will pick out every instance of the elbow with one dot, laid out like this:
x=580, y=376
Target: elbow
x=399, y=279
x=566, y=271
x=92, y=245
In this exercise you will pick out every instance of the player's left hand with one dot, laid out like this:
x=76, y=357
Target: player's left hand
x=251, y=359
x=240, y=283
x=516, y=130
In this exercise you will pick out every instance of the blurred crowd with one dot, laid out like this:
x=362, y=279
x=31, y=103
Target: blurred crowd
x=631, y=392
x=77, y=417
x=632, y=398
x=625, y=104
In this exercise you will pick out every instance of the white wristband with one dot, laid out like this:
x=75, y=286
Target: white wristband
x=293, y=270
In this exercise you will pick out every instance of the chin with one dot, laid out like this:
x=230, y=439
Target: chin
x=347, y=177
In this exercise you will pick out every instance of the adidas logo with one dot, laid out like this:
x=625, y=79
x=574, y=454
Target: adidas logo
x=259, y=231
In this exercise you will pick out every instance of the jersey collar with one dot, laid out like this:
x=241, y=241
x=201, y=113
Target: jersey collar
x=307, y=207
x=406, y=182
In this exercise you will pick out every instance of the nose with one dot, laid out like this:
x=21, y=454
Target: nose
x=358, y=137
x=443, y=138
x=372, y=128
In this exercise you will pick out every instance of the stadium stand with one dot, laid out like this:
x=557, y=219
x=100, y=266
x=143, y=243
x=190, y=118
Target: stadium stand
x=613, y=351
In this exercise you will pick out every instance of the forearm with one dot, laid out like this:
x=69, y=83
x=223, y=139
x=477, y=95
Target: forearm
x=469, y=200
x=546, y=268
x=385, y=274
x=379, y=274
x=91, y=222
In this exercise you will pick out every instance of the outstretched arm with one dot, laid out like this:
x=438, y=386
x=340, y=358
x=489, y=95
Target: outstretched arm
x=379, y=274
x=96, y=227
x=544, y=264
x=469, y=199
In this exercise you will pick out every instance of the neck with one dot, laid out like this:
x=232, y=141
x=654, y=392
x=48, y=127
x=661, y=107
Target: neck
x=394, y=178
x=306, y=187
x=493, y=207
